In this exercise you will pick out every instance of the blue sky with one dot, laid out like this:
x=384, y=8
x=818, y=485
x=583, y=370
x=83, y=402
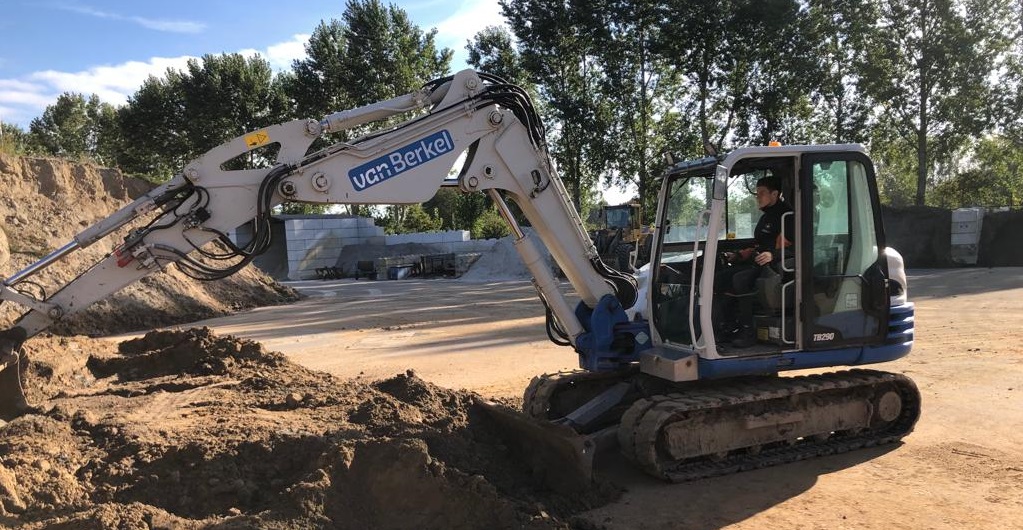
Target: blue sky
x=108, y=47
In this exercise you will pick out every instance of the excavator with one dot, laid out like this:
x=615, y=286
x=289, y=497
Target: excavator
x=653, y=378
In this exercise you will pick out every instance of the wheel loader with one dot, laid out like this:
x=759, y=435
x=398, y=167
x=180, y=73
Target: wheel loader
x=654, y=377
x=621, y=240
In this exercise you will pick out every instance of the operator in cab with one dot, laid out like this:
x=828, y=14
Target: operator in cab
x=737, y=280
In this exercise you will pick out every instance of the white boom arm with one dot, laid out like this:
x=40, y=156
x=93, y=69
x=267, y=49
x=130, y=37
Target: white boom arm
x=494, y=122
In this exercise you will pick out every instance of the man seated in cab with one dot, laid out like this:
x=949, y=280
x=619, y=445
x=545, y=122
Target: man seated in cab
x=745, y=266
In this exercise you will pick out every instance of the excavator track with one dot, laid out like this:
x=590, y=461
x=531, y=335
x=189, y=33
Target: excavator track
x=544, y=396
x=729, y=428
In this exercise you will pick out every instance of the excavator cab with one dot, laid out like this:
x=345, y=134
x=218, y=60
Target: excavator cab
x=824, y=301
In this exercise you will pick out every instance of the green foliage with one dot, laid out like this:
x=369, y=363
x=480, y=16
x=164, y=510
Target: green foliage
x=76, y=127
x=174, y=119
x=619, y=82
x=995, y=178
x=490, y=225
x=406, y=219
x=492, y=51
x=301, y=208
x=557, y=45
x=13, y=140
x=929, y=66
x=839, y=34
x=373, y=53
x=457, y=210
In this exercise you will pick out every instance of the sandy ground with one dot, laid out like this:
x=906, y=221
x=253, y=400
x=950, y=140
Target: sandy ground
x=961, y=468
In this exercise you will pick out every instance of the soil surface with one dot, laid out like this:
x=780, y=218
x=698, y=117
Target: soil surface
x=185, y=429
x=961, y=468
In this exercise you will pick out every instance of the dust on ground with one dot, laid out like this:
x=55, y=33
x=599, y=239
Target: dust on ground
x=46, y=202
x=186, y=429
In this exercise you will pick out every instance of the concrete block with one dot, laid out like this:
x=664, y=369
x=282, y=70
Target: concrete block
x=378, y=239
x=296, y=255
x=346, y=233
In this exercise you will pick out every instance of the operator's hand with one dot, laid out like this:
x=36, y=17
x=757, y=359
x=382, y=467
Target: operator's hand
x=763, y=258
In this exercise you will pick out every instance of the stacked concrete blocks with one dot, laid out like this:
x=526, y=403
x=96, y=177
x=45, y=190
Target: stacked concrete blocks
x=315, y=242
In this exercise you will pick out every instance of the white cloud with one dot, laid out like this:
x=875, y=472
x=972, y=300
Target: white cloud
x=470, y=18
x=173, y=26
x=281, y=55
x=27, y=97
x=113, y=84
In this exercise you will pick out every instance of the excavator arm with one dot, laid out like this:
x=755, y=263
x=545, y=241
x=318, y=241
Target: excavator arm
x=492, y=122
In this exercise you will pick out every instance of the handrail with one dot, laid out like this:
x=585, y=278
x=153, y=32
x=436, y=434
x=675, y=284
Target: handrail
x=692, y=276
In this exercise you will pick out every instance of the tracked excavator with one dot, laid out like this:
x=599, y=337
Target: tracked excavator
x=655, y=377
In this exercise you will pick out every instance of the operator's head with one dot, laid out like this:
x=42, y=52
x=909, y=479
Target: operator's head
x=768, y=191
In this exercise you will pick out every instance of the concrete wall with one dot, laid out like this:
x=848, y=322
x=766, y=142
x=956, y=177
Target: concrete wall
x=923, y=235
x=1001, y=244
x=275, y=260
x=314, y=242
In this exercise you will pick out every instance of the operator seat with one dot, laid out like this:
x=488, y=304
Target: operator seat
x=771, y=292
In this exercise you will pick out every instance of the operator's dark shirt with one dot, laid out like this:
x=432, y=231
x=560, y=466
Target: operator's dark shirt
x=769, y=226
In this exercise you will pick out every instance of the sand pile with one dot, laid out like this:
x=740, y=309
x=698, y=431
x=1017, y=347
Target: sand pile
x=185, y=429
x=502, y=262
x=46, y=202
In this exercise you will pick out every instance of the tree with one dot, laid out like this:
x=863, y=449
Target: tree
x=372, y=54
x=76, y=127
x=151, y=119
x=492, y=51
x=928, y=68
x=13, y=139
x=700, y=41
x=404, y=219
x=1011, y=115
x=995, y=177
x=557, y=48
x=839, y=33
x=490, y=225
x=174, y=119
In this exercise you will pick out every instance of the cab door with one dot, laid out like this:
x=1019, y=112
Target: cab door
x=844, y=290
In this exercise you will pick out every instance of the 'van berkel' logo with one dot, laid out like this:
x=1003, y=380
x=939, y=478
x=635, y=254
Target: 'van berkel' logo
x=400, y=160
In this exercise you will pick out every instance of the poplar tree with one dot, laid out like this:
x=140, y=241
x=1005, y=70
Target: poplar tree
x=928, y=67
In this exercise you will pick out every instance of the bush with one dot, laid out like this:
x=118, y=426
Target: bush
x=490, y=225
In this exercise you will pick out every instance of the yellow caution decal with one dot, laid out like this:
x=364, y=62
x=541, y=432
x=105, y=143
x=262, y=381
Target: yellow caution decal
x=257, y=139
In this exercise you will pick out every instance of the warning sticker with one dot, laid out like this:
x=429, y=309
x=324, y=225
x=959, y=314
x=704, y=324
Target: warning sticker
x=257, y=139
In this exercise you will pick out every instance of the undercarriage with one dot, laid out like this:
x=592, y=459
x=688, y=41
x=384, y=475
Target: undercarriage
x=689, y=431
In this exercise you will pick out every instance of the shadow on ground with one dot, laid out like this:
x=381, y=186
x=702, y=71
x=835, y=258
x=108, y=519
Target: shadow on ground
x=710, y=503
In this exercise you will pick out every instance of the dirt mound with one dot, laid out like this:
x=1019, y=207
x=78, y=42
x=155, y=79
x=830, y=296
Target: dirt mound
x=502, y=262
x=46, y=202
x=185, y=429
